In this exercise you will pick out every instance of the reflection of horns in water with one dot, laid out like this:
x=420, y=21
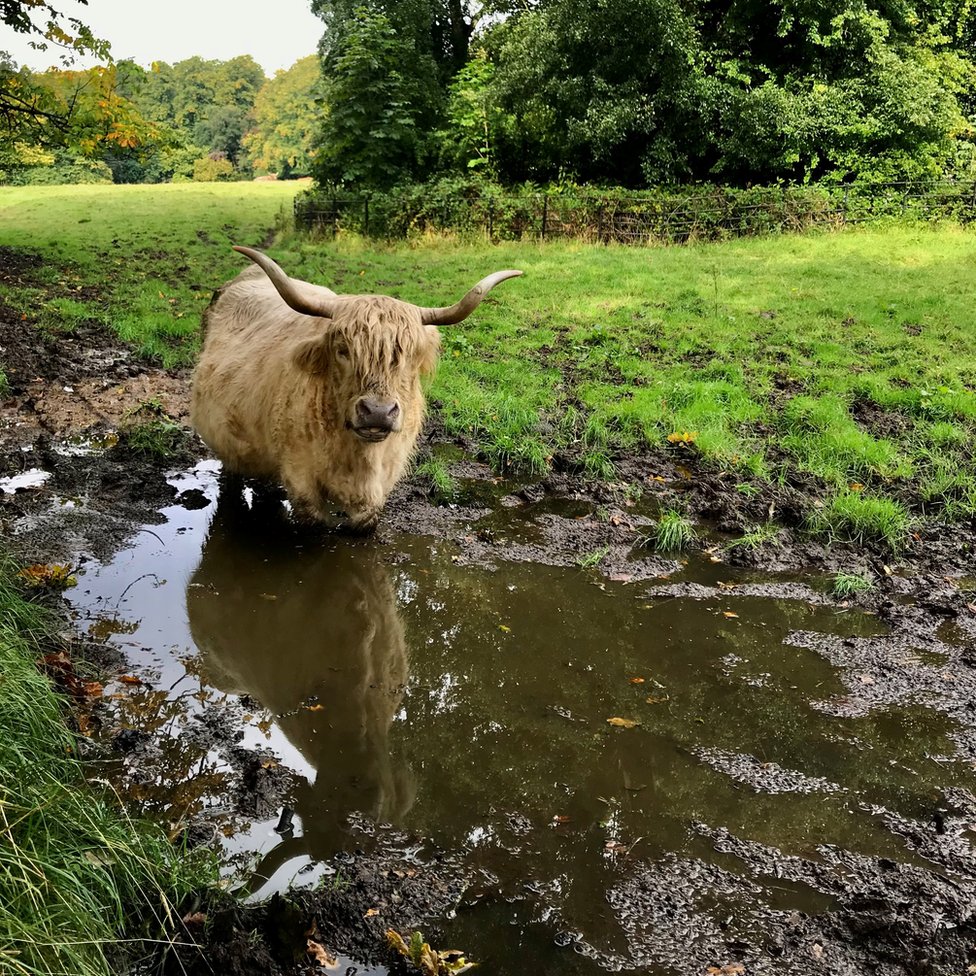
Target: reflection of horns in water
x=298, y=624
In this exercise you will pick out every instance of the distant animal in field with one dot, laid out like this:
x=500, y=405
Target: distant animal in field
x=318, y=392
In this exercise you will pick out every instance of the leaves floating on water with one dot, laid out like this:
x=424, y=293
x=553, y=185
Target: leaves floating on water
x=448, y=962
x=622, y=723
x=731, y=615
x=637, y=681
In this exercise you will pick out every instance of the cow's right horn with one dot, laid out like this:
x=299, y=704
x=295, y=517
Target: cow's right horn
x=299, y=295
x=460, y=311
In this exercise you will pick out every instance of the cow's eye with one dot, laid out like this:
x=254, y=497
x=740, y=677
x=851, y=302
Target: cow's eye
x=342, y=352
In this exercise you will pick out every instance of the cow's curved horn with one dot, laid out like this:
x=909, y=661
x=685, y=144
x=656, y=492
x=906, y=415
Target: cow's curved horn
x=300, y=295
x=460, y=311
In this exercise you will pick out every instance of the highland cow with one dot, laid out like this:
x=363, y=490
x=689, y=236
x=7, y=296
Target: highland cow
x=318, y=392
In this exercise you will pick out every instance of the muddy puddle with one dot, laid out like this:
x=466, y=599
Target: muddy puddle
x=619, y=772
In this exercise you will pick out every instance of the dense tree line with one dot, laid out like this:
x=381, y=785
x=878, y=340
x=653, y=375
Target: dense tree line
x=196, y=119
x=644, y=92
x=631, y=93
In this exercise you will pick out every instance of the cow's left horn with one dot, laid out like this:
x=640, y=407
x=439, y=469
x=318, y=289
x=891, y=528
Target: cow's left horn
x=460, y=311
x=301, y=296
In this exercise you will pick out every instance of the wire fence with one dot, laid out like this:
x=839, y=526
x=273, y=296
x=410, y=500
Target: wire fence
x=652, y=217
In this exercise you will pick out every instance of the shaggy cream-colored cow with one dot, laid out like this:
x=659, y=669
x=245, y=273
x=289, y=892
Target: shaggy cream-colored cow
x=316, y=391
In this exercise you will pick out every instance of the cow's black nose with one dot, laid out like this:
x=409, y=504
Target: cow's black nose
x=373, y=412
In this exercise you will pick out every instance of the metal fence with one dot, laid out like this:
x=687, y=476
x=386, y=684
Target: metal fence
x=700, y=213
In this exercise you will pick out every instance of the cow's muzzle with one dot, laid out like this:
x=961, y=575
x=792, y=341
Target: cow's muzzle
x=376, y=419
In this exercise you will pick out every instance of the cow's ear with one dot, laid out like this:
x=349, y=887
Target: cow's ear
x=312, y=356
x=431, y=350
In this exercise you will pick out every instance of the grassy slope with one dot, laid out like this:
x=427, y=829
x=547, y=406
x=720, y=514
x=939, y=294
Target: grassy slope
x=850, y=356
x=79, y=882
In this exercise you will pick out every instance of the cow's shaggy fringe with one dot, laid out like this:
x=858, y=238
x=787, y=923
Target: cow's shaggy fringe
x=83, y=889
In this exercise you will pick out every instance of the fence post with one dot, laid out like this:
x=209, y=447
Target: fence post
x=366, y=215
x=599, y=223
x=545, y=213
x=491, y=218
x=843, y=213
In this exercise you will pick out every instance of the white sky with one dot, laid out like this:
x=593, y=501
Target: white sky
x=276, y=33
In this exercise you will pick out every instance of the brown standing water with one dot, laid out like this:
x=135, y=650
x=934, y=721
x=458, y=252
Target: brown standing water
x=467, y=708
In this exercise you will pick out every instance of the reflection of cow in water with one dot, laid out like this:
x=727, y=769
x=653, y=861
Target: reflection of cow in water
x=313, y=634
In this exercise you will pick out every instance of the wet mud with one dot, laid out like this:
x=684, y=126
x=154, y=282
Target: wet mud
x=505, y=720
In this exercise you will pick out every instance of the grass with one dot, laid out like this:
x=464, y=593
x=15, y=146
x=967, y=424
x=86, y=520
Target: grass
x=672, y=533
x=151, y=431
x=846, y=585
x=436, y=473
x=755, y=539
x=846, y=357
x=82, y=887
x=154, y=252
x=590, y=560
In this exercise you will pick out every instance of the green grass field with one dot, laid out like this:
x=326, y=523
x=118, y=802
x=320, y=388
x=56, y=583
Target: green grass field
x=850, y=356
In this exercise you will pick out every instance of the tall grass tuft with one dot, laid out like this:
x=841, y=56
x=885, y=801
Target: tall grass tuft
x=859, y=518
x=83, y=889
x=672, y=533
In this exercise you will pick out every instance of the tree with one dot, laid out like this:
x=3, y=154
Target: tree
x=31, y=112
x=67, y=33
x=369, y=137
x=286, y=118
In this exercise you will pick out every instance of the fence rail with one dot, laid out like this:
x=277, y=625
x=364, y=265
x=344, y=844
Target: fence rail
x=705, y=213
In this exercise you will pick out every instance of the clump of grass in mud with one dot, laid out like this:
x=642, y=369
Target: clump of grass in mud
x=150, y=430
x=4, y=385
x=82, y=887
x=672, y=533
x=846, y=585
x=437, y=477
x=857, y=518
x=592, y=559
x=755, y=539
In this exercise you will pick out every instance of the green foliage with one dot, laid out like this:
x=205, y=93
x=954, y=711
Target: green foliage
x=214, y=168
x=62, y=168
x=286, y=116
x=370, y=137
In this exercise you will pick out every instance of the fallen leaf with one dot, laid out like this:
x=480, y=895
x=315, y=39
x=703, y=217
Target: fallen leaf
x=866, y=679
x=370, y=912
x=320, y=955
x=730, y=615
x=92, y=689
x=130, y=679
x=622, y=723
x=315, y=708
x=683, y=437
x=561, y=818
x=504, y=629
x=657, y=701
x=637, y=681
